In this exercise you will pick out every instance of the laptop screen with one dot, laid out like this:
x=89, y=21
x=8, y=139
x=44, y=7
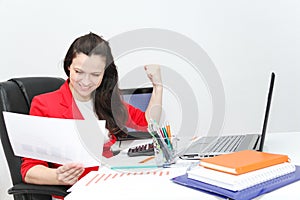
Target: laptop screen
x=139, y=98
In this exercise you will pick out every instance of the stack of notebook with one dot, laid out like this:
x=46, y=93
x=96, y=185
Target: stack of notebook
x=241, y=175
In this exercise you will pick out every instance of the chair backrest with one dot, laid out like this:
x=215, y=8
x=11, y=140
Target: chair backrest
x=15, y=96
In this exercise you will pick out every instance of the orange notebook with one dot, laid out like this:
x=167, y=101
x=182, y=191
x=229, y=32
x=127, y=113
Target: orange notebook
x=243, y=161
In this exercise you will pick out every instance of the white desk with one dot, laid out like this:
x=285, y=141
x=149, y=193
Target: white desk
x=146, y=187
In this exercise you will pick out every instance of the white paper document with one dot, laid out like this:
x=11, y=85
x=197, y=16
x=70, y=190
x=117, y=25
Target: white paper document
x=146, y=185
x=56, y=140
x=104, y=175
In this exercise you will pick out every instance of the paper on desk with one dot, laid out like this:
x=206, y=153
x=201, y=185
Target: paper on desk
x=128, y=186
x=105, y=175
x=56, y=140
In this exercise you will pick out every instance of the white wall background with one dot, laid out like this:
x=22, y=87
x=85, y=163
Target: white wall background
x=246, y=39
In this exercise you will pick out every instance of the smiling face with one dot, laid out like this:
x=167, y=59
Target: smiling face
x=86, y=74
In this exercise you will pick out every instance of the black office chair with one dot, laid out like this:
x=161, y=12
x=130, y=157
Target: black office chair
x=15, y=96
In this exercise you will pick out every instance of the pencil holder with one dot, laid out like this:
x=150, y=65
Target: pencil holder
x=165, y=151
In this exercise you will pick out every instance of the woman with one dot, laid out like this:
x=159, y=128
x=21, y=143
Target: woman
x=91, y=90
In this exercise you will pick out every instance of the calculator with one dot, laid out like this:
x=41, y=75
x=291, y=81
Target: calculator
x=141, y=150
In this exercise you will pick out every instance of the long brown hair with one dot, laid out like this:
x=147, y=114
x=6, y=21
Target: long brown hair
x=108, y=104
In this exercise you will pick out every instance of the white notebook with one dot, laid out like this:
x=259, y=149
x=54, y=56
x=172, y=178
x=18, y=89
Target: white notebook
x=239, y=182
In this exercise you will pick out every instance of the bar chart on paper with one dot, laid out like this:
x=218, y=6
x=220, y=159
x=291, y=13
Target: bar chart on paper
x=95, y=178
x=130, y=185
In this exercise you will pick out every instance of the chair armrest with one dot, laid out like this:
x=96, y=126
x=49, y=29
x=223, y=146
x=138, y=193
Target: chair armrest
x=24, y=188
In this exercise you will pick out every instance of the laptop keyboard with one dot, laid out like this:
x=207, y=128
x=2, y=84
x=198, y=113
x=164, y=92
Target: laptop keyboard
x=225, y=144
x=213, y=145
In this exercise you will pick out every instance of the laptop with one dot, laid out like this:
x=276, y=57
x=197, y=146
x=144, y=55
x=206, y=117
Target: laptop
x=139, y=98
x=216, y=145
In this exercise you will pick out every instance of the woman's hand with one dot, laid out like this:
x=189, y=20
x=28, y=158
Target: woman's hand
x=154, y=74
x=154, y=108
x=68, y=174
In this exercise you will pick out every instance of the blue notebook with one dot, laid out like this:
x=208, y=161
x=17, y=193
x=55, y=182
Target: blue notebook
x=248, y=193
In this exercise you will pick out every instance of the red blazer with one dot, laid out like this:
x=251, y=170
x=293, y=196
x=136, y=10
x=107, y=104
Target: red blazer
x=60, y=104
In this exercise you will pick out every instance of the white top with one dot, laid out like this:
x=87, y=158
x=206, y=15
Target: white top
x=86, y=108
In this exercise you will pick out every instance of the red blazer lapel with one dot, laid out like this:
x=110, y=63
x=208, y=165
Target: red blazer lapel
x=68, y=102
